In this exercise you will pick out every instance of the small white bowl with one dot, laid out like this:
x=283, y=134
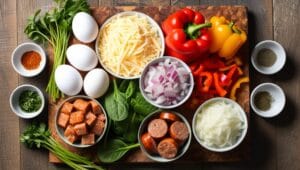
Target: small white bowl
x=143, y=128
x=130, y=13
x=14, y=101
x=18, y=53
x=280, y=57
x=240, y=138
x=155, y=61
x=60, y=130
x=278, y=99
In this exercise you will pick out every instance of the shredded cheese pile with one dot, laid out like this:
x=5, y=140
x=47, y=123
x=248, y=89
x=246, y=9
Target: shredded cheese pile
x=127, y=44
x=219, y=124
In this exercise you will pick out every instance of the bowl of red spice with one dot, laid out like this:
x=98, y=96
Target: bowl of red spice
x=28, y=59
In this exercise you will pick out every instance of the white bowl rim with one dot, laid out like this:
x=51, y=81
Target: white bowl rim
x=274, y=69
x=71, y=98
x=260, y=112
x=151, y=20
x=42, y=53
x=241, y=138
x=159, y=158
x=168, y=106
x=26, y=115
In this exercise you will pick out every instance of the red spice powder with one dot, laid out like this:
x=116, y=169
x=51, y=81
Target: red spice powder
x=31, y=60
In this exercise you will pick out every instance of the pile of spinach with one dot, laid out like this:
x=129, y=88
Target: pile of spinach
x=126, y=108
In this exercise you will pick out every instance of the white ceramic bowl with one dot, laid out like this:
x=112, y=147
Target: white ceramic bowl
x=278, y=99
x=130, y=13
x=143, y=128
x=240, y=138
x=14, y=101
x=280, y=57
x=18, y=53
x=142, y=86
x=60, y=130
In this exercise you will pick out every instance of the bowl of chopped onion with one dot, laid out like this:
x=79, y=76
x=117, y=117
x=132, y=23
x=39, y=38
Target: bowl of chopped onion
x=127, y=42
x=220, y=124
x=166, y=82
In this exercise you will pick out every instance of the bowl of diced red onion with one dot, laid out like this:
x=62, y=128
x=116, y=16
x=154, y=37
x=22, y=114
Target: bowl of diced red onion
x=166, y=82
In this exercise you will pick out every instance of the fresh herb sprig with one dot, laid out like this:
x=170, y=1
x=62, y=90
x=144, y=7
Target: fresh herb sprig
x=54, y=27
x=37, y=135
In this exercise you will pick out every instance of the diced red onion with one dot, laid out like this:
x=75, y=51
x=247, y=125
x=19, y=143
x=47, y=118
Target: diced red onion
x=167, y=82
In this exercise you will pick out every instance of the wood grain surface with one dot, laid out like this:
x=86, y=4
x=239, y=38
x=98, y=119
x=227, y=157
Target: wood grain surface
x=159, y=13
x=274, y=142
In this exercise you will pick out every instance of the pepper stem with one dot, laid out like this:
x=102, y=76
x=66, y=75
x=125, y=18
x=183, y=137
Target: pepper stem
x=192, y=30
x=235, y=30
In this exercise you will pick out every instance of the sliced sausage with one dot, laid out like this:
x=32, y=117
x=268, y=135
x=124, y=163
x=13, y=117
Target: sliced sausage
x=157, y=128
x=67, y=108
x=63, y=120
x=80, y=104
x=179, y=132
x=170, y=117
x=167, y=148
x=149, y=143
x=76, y=117
x=88, y=139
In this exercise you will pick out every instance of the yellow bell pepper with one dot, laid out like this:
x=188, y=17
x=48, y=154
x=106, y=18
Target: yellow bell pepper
x=237, y=85
x=227, y=39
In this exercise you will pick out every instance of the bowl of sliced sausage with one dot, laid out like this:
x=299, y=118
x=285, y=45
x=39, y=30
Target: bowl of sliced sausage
x=80, y=121
x=164, y=136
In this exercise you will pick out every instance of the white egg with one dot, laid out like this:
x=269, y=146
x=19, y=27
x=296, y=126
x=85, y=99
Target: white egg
x=68, y=80
x=84, y=27
x=82, y=57
x=96, y=83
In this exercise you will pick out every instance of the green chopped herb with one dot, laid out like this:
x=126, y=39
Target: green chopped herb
x=30, y=101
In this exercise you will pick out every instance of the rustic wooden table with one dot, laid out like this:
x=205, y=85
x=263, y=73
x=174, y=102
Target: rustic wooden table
x=274, y=142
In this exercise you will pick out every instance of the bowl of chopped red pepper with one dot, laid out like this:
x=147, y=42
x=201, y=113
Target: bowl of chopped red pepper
x=28, y=59
x=166, y=82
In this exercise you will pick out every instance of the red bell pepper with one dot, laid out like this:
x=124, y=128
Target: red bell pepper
x=205, y=80
x=213, y=63
x=226, y=79
x=221, y=91
x=187, y=36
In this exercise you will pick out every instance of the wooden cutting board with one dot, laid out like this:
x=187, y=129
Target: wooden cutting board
x=195, y=153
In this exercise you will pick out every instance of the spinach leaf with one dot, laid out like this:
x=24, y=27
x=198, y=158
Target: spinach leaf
x=123, y=85
x=116, y=104
x=120, y=127
x=140, y=105
x=131, y=89
x=130, y=135
x=114, y=150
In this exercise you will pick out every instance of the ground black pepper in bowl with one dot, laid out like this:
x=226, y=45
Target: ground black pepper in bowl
x=266, y=57
x=263, y=100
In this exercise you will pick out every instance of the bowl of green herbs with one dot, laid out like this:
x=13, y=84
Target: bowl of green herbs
x=27, y=101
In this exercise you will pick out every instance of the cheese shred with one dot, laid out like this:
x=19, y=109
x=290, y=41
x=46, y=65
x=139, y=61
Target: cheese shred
x=219, y=124
x=127, y=44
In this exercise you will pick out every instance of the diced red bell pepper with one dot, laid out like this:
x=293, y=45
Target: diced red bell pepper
x=221, y=91
x=205, y=80
x=226, y=79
